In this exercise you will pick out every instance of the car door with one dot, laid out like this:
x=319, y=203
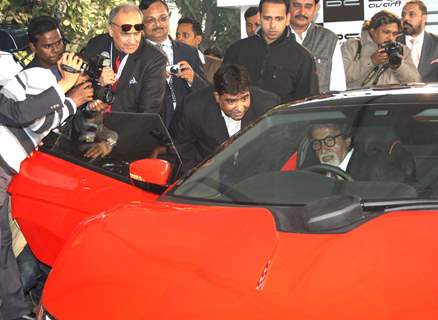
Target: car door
x=58, y=187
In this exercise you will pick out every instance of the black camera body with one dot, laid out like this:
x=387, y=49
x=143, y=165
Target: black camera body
x=93, y=68
x=394, y=50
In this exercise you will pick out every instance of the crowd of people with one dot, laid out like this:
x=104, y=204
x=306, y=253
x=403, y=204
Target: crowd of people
x=202, y=97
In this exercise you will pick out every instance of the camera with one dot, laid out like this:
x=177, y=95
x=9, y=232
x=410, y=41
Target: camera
x=173, y=69
x=395, y=53
x=93, y=68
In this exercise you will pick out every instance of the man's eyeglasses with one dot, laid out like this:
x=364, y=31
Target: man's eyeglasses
x=127, y=27
x=329, y=141
x=152, y=20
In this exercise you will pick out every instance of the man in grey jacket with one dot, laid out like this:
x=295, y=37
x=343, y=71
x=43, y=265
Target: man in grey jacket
x=321, y=42
x=375, y=59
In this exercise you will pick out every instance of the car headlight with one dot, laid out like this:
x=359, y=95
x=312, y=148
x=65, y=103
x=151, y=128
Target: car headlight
x=44, y=315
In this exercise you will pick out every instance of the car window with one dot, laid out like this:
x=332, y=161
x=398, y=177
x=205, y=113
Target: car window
x=134, y=137
x=392, y=154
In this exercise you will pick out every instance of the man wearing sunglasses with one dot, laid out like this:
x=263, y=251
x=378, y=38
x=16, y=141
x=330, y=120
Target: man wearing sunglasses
x=137, y=67
x=189, y=75
x=332, y=145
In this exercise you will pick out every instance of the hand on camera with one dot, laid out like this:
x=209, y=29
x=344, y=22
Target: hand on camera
x=108, y=77
x=186, y=72
x=379, y=57
x=72, y=63
x=98, y=105
x=82, y=93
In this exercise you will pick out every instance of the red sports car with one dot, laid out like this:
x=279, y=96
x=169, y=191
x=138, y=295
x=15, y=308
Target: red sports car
x=322, y=209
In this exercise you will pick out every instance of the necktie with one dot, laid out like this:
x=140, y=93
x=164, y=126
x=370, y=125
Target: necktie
x=116, y=68
x=171, y=100
x=415, y=53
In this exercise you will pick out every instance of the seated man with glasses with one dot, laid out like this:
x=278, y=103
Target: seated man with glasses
x=332, y=144
x=137, y=67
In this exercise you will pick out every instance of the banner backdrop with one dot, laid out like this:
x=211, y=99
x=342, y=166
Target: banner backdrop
x=345, y=17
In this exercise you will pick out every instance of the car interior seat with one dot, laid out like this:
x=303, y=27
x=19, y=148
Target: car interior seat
x=382, y=140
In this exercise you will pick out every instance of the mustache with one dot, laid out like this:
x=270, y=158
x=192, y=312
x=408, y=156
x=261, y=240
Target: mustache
x=158, y=29
x=405, y=24
x=301, y=16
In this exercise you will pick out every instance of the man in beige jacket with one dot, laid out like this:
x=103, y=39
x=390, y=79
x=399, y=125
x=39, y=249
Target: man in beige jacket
x=375, y=58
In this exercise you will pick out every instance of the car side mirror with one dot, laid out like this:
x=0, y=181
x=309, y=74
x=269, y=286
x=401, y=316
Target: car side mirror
x=155, y=171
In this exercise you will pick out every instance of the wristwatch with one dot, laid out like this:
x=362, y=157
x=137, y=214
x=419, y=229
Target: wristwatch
x=111, y=142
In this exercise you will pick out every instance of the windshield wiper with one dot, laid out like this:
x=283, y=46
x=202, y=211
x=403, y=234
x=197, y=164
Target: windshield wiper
x=391, y=205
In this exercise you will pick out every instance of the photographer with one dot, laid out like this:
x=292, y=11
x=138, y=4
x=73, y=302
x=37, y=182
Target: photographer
x=136, y=72
x=375, y=58
x=31, y=104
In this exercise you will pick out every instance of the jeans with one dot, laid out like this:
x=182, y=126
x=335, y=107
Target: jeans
x=33, y=273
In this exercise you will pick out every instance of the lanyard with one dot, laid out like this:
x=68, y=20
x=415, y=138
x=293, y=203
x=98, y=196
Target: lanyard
x=122, y=63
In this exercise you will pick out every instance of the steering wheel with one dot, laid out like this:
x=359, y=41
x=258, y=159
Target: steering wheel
x=324, y=168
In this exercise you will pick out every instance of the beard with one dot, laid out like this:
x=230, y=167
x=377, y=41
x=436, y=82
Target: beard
x=330, y=158
x=410, y=30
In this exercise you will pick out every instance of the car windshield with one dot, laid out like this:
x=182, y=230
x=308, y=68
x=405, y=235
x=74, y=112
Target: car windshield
x=295, y=156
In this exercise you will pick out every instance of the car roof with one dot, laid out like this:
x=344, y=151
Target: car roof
x=394, y=94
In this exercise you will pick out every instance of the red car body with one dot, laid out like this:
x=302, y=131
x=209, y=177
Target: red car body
x=205, y=250
x=47, y=184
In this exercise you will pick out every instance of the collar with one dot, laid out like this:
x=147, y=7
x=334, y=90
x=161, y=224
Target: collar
x=166, y=43
x=301, y=38
x=366, y=40
x=201, y=56
x=344, y=164
x=420, y=39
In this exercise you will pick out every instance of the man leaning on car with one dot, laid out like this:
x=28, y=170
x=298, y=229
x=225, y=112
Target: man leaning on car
x=211, y=115
x=376, y=58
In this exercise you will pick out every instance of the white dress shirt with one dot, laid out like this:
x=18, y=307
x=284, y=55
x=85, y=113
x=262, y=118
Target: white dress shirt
x=167, y=48
x=418, y=46
x=201, y=56
x=233, y=126
x=337, y=74
x=344, y=164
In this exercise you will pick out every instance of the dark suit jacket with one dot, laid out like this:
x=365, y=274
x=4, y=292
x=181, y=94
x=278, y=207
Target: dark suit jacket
x=181, y=51
x=429, y=54
x=199, y=128
x=21, y=113
x=141, y=86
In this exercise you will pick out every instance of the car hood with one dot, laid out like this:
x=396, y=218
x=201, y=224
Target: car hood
x=170, y=261
x=148, y=253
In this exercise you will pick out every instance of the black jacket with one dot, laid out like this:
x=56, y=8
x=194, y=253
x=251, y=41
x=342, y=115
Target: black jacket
x=284, y=66
x=199, y=128
x=141, y=86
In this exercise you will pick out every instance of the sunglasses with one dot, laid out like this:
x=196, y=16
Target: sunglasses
x=127, y=27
